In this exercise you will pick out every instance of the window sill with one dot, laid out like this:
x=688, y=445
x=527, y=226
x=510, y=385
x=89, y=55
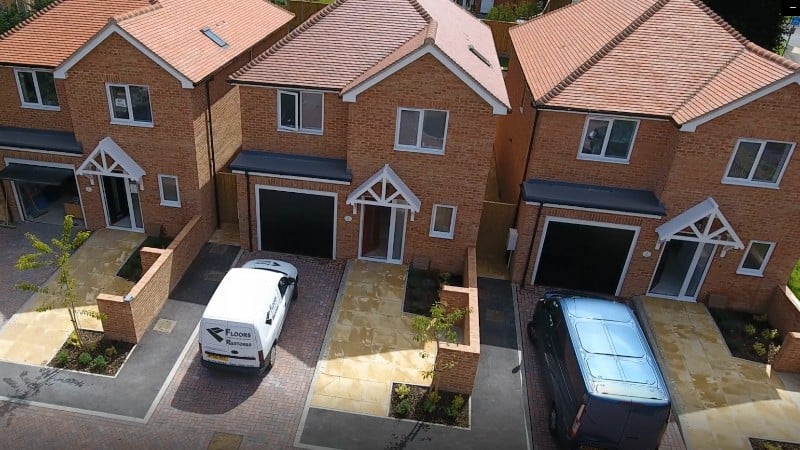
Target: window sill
x=301, y=131
x=40, y=107
x=441, y=236
x=131, y=123
x=750, y=274
x=427, y=151
x=755, y=184
x=583, y=157
x=171, y=204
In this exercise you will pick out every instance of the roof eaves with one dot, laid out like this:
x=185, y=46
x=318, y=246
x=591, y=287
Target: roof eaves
x=600, y=54
x=30, y=19
x=286, y=39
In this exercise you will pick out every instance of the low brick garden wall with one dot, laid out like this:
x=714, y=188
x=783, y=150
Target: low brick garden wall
x=127, y=321
x=461, y=378
x=784, y=314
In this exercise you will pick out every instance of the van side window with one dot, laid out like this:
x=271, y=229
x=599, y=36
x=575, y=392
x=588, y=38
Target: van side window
x=553, y=315
x=283, y=284
x=572, y=368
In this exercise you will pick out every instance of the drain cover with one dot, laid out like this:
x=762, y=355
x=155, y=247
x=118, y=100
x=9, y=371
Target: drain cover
x=164, y=325
x=225, y=441
x=494, y=315
x=213, y=275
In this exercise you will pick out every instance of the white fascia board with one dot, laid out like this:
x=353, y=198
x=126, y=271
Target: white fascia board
x=62, y=70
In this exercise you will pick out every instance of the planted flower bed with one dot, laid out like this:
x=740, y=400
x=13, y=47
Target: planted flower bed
x=764, y=444
x=748, y=336
x=423, y=287
x=419, y=403
x=98, y=355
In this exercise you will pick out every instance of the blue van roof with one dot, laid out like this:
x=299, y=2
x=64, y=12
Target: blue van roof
x=613, y=354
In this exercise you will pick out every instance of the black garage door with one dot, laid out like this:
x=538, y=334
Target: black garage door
x=583, y=257
x=293, y=222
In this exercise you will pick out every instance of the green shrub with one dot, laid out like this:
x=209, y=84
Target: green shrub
x=761, y=318
x=111, y=352
x=771, y=446
x=430, y=402
x=91, y=347
x=73, y=339
x=510, y=12
x=769, y=334
x=759, y=348
x=99, y=362
x=402, y=407
x=402, y=391
x=794, y=280
x=750, y=329
x=85, y=358
x=455, y=406
x=62, y=358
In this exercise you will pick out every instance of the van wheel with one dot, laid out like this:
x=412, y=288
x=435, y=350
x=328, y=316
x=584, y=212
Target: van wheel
x=552, y=420
x=294, y=294
x=532, y=332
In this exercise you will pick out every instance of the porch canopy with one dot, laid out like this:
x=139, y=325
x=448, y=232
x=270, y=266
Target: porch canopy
x=52, y=176
x=108, y=159
x=703, y=223
x=604, y=198
x=382, y=189
x=36, y=139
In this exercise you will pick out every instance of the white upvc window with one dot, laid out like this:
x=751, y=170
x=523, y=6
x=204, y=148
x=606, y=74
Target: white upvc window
x=421, y=130
x=37, y=89
x=168, y=188
x=443, y=221
x=608, y=139
x=757, y=162
x=755, y=258
x=129, y=104
x=301, y=111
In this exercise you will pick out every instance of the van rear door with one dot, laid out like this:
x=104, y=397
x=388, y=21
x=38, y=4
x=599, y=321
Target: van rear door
x=231, y=343
x=645, y=426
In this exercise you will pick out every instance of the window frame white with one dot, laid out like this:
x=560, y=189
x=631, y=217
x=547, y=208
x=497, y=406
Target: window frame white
x=164, y=201
x=130, y=122
x=749, y=181
x=39, y=105
x=419, y=148
x=601, y=157
x=741, y=270
x=298, y=111
x=440, y=234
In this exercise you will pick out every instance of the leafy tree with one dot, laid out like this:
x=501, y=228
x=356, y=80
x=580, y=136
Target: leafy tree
x=437, y=328
x=759, y=21
x=794, y=280
x=57, y=255
x=510, y=12
x=11, y=15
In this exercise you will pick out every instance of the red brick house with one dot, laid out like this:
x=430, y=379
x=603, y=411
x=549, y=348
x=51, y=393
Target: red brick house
x=650, y=150
x=118, y=111
x=367, y=132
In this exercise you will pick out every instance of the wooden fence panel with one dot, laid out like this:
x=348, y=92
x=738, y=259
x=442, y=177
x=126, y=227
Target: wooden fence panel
x=302, y=10
x=227, y=198
x=502, y=40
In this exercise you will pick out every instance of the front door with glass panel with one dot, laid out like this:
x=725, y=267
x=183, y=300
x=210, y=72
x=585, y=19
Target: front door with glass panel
x=121, y=203
x=382, y=233
x=682, y=269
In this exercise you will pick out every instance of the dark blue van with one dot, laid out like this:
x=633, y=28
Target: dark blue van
x=604, y=386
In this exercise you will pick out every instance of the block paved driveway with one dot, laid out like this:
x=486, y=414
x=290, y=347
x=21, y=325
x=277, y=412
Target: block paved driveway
x=526, y=301
x=262, y=412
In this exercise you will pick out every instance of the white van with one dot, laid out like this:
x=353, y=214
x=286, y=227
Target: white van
x=245, y=316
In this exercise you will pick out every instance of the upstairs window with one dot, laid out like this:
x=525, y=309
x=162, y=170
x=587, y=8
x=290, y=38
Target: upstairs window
x=608, y=139
x=421, y=130
x=300, y=111
x=130, y=105
x=758, y=163
x=37, y=89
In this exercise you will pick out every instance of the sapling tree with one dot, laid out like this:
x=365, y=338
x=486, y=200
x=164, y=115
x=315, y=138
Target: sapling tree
x=57, y=254
x=437, y=328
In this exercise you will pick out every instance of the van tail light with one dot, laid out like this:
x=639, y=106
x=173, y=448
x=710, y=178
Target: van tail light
x=573, y=430
x=261, y=358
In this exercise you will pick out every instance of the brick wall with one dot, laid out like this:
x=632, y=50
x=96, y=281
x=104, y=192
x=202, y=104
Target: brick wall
x=128, y=321
x=14, y=115
x=465, y=355
x=784, y=310
x=788, y=357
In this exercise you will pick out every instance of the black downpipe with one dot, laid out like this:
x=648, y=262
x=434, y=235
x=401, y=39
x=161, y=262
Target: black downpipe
x=530, y=153
x=530, y=248
x=210, y=138
x=249, y=221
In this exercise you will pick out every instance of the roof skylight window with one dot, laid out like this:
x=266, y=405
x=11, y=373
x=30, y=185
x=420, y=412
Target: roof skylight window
x=214, y=37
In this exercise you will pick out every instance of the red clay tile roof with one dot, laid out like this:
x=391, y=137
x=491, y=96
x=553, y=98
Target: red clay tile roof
x=351, y=40
x=53, y=34
x=171, y=30
x=670, y=58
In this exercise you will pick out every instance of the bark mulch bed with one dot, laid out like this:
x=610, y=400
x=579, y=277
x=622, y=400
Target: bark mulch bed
x=422, y=289
x=733, y=326
x=114, y=353
x=415, y=404
x=764, y=444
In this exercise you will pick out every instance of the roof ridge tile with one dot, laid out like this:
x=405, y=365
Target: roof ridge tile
x=702, y=86
x=604, y=50
x=752, y=47
x=288, y=38
x=153, y=6
x=421, y=10
x=35, y=15
x=430, y=31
